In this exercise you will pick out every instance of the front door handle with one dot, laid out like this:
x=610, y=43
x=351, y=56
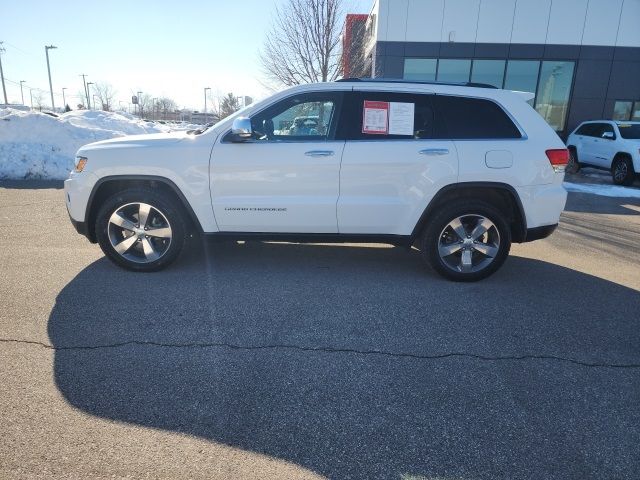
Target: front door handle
x=319, y=153
x=434, y=151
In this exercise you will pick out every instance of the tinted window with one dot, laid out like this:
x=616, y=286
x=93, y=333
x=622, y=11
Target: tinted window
x=423, y=116
x=490, y=72
x=420, y=69
x=622, y=110
x=554, y=86
x=629, y=130
x=453, y=70
x=605, y=127
x=585, y=130
x=471, y=118
x=522, y=75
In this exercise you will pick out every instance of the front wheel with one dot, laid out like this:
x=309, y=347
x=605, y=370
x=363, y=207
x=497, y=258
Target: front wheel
x=140, y=230
x=622, y=171
x=466, y=241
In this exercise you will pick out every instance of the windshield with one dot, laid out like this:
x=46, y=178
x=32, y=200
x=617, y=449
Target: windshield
x=630, y=131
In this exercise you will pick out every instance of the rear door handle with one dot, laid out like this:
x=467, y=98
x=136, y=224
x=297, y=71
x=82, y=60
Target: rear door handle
x=319, y=153
x=434, y=151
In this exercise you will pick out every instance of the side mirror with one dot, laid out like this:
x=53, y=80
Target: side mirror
x=241, y=128
x=608, y=135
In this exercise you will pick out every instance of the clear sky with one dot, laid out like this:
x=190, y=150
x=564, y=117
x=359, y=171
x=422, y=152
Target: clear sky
x=164, y=48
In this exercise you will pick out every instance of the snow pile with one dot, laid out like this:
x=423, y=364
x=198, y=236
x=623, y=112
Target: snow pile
x=602, y=190
x=37, y=145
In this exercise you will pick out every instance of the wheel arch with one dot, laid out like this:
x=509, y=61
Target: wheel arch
x=503, y=196
x=107, y=186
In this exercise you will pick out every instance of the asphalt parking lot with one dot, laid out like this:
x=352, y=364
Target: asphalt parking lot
x=266, y=360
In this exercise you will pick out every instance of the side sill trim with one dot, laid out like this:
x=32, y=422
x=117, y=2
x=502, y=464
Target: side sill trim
x=397, y=240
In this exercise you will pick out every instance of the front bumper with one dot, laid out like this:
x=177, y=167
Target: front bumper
x=77, y=190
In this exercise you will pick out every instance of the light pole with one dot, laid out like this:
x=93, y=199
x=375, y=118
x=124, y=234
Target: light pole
x=4, y=90
x=205, y=104
x=64, y=99
x=89, y=94
x=21, y=92
x=86, y=92
x=46, y=51
x=139, y=104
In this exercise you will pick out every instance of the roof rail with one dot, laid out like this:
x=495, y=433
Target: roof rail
x=401, y=80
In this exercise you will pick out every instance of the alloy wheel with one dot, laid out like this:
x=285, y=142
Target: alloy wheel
x=469, y=243
x=139, y=232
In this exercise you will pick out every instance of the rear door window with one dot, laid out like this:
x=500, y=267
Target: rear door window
x=379, y=116
x=466, y=118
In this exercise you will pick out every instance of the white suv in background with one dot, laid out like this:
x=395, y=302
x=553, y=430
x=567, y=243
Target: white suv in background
x=459, y=171
x=607, y=144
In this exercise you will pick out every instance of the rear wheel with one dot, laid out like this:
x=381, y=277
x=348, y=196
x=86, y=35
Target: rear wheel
x=140, y=230
x=622, y=171
x=574, y=165
x=466, y=241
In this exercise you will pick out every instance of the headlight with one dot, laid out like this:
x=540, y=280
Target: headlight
x=79, y=164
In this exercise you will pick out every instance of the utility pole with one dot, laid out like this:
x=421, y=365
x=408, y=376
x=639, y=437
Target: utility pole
x=4, y=89
x=64, y=99
x=46, y=51
x=205, y=104
x=89, y=94
x=86, y=91
x=21, y=92
x=31, y=95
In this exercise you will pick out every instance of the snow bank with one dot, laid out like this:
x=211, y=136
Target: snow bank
x=36, y=145
x=602, y=190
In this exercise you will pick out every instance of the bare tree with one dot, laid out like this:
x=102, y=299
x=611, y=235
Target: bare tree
x=38, y=99
x=164, y=105
x=303, y=45
x=106, y=94
x=145, y=104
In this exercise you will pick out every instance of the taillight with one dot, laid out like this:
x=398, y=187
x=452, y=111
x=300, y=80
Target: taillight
x=558, y=158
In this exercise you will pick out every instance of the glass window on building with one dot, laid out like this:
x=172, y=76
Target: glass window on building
x=454, y=70
x=522, y=76
x=423, y=69
x=622, y=110
x=635, y=114
x=490, y=72
x=554, y=87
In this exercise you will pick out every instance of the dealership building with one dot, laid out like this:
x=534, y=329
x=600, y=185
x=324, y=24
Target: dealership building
x=581, y=58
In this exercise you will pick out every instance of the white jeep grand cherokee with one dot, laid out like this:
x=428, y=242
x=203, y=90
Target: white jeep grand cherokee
x=459, y=171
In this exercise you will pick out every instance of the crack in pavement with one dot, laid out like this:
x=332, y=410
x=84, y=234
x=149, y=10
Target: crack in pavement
x=326, y=350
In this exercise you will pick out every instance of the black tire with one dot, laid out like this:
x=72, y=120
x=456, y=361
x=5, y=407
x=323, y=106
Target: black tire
x=438, y=228
x=165, y=212
x=622, y=171
x=574, y=164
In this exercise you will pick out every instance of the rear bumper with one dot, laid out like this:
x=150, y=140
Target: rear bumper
x=538, y=233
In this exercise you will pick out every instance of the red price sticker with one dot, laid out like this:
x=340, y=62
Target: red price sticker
x=375, y=118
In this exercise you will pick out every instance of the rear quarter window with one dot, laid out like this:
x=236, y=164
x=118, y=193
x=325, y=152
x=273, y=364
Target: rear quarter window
x=474, y=118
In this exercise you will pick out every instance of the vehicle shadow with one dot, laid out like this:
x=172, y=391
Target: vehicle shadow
x=356, y=362
x=589, y=203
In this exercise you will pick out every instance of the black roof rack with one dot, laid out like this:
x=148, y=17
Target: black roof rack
x=400, y=80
